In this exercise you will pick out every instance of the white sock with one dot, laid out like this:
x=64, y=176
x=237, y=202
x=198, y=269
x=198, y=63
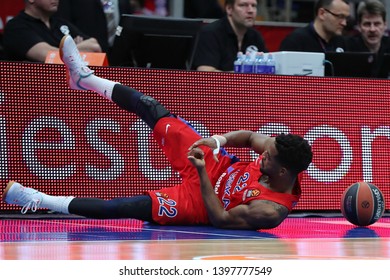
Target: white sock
x=56, y=203
x=102, y=86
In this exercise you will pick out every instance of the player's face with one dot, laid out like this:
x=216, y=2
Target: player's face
x=269, y=164
x=243, y=12
x=372, y=28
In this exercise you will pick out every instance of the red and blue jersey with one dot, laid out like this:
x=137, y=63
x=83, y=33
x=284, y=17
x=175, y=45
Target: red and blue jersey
x=234, y=182
x=239, y=184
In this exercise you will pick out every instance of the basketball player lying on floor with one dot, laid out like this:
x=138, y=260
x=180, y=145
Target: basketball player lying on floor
x=216, y=187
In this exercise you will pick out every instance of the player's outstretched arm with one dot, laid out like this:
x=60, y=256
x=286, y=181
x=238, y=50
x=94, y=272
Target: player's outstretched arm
x=240, y=138
x=249, y=139
x=258, y=214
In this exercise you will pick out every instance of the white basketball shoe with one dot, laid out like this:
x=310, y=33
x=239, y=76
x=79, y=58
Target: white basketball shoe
x=77, y=69
x=28, y=198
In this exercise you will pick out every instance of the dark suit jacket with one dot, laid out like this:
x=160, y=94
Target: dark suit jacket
x=89, y=17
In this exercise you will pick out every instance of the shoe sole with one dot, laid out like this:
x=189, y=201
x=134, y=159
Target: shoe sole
x=9, y=185
x=61, y=46
x=61, y=56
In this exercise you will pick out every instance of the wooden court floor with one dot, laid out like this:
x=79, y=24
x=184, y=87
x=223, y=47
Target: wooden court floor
x=318, y=238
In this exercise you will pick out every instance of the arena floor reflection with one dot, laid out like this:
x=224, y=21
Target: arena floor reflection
x=295, y=238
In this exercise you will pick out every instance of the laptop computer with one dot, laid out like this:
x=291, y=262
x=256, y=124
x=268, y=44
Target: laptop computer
x=350, y=64
x=384, y=66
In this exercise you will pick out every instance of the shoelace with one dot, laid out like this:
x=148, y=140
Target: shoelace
x=33, y=204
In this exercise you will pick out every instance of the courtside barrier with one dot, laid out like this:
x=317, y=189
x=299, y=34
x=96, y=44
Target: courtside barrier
x=69, y=142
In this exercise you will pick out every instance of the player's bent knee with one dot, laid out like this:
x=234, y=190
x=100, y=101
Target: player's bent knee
x=150, y=110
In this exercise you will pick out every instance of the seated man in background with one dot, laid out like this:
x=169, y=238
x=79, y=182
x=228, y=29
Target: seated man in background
x=96, y=18
x=35, y=31
x=220, y=41
x=371, y=23
x=324, y=34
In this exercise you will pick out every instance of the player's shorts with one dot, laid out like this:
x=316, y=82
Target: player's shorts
x=183, y=204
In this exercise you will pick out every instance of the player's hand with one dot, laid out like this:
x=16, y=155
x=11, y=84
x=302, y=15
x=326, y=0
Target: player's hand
x=78, y=39
x=209, y=142
x=196, y=157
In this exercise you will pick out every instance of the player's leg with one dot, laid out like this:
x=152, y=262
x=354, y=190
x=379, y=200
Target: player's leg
x=82, y=78
x=137, y=207
x=173, y=134
x=146, y=107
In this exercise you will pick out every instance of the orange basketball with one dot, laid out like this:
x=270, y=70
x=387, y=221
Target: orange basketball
x=362, y=204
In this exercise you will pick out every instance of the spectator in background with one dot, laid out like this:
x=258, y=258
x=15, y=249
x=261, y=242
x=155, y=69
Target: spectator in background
x=324, y=34
x=371, y=23
x=220, y=41
x=203, y=9
x=96, y=18
x=35, y=31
